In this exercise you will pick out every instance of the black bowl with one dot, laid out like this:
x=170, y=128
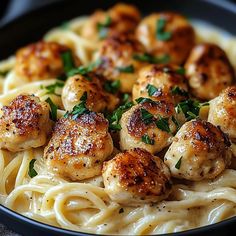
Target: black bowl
x=32, y=26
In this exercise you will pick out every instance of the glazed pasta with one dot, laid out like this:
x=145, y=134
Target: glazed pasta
x=85, y=206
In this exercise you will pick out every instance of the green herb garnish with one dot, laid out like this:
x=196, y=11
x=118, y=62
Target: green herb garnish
x=53, y=113
x=143, y=100
x=125, y=98
x=176, y=122
x=51, y=89
x=162, y=123
x=32, y=172
x=146, y=139
x=178, y=164
x=68, y=61
x=126, y=69
x=178, y=91
x=180, y=71
x=112, y=87
x=151, y=89
x=84, y=70
x=103, y=27
x=114, y=118
x=146, y=116
x=161, y=34
x=64, y=25
x=190, y=108
x=151, y=59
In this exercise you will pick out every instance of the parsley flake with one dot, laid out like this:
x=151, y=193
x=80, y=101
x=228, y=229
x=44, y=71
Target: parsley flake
x=143, y=100
x=112, y=87
x=180, y=71
x=160, y=33
x=151, y=89
x=51, y=89
x=162, y=123
x=178, y=91
x=178, y=164
x=68, y=61
x=151, y=59
x=103, y=27
x=146, y=116
x=126, y=69
x=3, y=73
x=146, y=139
x=32, y=172
x=53, y=107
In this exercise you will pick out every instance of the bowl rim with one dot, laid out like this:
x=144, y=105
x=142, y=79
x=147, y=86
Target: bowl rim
x=225, y=5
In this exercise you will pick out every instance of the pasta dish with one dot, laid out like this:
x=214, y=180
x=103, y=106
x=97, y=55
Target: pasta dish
x=115, y=123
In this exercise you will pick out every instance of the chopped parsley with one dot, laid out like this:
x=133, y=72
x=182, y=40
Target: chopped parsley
x=53, y=107
x=126, y=69
x=112, y=87
x=68, y=61
x=178, y=91
x=84, y=70
x=79, y=109
x=146, y=139
x=143, y=100
x=64, y=25
x=178, y=164
x=162, y=124
x=180, y=71
x=161, y=34
x=51, y=89
x=190, y=108
x=151, y=89
x=176, y=123
x=32, y=172
x=126, y=98
x=146, y=116
x=114, y=118
x=103, y=27
x=151, y=59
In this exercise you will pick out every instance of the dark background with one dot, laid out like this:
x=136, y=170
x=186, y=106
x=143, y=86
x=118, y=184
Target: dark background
x=10, y=9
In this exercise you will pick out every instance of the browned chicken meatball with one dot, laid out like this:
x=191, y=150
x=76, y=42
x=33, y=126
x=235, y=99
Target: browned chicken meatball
x=24, y=123
x=148, y=125
x=166, y=33
x=135, y=177
x=121, y=18
x=199, y=151
x=98, y=99
x=223, y=112
x=161, y=82
x=208, y=71
x=116, y=53
x=78, y=146
x=41, y=60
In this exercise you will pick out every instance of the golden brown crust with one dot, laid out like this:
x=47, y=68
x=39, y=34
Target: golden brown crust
x=116, y=52
x=137, y=128
x=98, y=99
x=206, y=137
x=208, y=70
x=41, y=60
x=138, y=168
x=181, y=41
x=78, y=147
x=165, y=78
x=124, y=19
x=22, y=123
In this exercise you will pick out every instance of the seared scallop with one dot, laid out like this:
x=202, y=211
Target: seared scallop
x=222, y=111
x=208, y=71
x=78, y=146
x=149, y=125
x=116, y=53
x=199, y=151
x=98, y=99
x=136, y=177
x=41, y=60
x=161, y=82
x=166, y=33
x=24, y=123
x=121, y=18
